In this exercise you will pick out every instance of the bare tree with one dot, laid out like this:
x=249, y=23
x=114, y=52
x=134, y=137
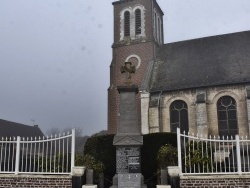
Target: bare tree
x=56, y=130
x=52, y=131
x=78, y=131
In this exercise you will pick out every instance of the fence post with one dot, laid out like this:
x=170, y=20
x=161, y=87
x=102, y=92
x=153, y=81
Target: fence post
x=73, y=149
x=238, y=153
x=17, y=155
x=179, y=150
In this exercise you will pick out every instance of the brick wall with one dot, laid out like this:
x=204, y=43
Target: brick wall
x=218, y=181
x=35, y=181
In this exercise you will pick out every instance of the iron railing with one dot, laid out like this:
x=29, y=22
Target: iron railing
x=198, y=154
x=46, y=155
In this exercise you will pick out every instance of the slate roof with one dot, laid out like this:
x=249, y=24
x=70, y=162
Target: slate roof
x=146, y=80
x=10, y=129
x=210, y=61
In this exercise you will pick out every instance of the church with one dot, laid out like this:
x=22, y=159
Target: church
x=200, y=85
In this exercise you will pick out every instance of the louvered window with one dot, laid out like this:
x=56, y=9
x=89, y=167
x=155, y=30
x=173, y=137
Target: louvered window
x=227, y=116
x=126, y=24
x=138, y=21
x=179, y=116
x=159, y=30
x=155, y=20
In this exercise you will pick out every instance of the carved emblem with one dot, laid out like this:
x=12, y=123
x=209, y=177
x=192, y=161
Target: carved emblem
x=127, y=140
x=129, y=69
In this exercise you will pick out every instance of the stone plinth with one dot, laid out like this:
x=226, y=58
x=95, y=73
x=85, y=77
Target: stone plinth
x=129, y=180
x=78, y=170
x=89, y=186
x=163, y=186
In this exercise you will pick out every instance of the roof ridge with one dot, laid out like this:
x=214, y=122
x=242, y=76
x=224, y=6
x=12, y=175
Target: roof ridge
x=206, y=37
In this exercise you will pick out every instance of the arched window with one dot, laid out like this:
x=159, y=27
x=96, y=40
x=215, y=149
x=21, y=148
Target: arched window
x=179, y=116
x=132, y=23
x=126, y=24
x=137, y=21
x=227, y=116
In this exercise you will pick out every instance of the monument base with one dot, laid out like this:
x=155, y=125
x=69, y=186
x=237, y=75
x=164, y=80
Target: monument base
x=163, y=186
x=89, y=186
x=133, y=182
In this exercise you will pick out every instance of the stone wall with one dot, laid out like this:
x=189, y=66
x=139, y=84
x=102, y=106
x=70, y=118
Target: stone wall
x=215, y=181
x=35, y=181
x=206, y=111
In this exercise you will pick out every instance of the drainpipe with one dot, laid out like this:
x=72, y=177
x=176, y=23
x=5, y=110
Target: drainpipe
x=159, y=111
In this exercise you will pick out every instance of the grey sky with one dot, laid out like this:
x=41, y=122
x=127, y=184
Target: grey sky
x=55, y=54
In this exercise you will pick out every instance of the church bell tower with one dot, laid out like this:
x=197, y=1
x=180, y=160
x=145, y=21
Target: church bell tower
x=138, y=33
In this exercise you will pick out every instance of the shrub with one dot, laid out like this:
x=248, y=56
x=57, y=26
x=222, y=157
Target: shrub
x=101, y=149
x=54, y=163
x=151, y=145
x=91, y=163
x=167, y=156
x=198, y=157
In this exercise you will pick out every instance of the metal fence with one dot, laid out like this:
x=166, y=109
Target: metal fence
x=213, y=155
x=47, y=155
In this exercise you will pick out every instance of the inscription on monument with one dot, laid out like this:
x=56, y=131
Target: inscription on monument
x=128, y=114
x=129, y=180
x=128, y=160
x=129, y=106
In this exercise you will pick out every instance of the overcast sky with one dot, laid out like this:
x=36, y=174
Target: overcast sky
x=55, y=54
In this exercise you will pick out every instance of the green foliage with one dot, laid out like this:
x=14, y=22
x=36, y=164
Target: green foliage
x=91, y=163
x=101, y=149
x=198, y=157
x=167, y=156
x=57, y=163
x=78, y=160
x=150, y=148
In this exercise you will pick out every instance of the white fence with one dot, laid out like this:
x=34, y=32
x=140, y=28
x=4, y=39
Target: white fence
x=213, y=155
x=47, y=155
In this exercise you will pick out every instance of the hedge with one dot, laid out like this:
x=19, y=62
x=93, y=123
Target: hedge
x=102, y=149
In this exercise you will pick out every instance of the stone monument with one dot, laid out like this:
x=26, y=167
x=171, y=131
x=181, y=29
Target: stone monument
x=128, y=140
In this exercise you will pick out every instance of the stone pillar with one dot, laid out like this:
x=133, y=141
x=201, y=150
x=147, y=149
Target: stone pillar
x=248, y=106
x=128, y=142
x=164, y=177
x=174, y=176
x=144, y=112
x=89, y=179
x=101, y=180
x=89, y=176
x=154, y=120
x=201, y=113
x=154, y=114
x=77, y=176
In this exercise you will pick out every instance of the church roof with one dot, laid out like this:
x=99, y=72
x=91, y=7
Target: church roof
x=12, y=129
x=209, y=61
